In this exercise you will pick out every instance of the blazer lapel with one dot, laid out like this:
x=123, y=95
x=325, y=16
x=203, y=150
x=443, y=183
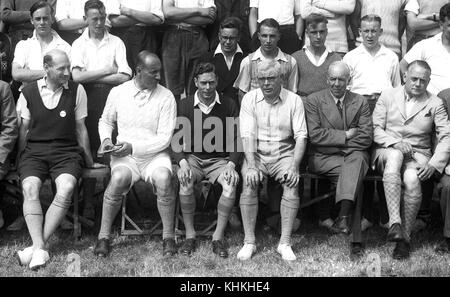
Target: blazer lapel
x=331, y=112
x=351, y=108
x=399, y=99
x=421, y=104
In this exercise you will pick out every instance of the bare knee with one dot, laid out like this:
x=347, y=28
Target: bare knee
x=228, y=190
x=30, y=189
x=162, y=180
x=120, y=179
x=65, y=186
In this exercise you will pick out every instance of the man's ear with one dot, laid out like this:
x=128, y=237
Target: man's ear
x=196, y=82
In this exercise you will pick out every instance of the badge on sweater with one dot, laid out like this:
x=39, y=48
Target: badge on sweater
x=63, y=114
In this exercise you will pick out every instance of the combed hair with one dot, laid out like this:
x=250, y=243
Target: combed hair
x=271, y=23
x=371, y=18
x=48, y=59
x=40, y=4
x=314, y=19
x=269, y=65
x=420, y=63
x=231, y=23
x=444, y=12
x=204, y=68
x=93, y=4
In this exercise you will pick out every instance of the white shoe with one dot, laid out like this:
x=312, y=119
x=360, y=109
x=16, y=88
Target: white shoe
x=365, y=224
x=39, y=259
x=246, y=252
x=286, y=252
x=24, y=256
x=17, y=225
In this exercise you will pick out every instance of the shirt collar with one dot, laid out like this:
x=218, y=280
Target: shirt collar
x=136, y=91
x=305, y=48
x=219, y=50
x=85, y=34
x=197, y=100
x=260, y=96
x=42, y=83
x=336, y=99
x=56, y=37
x=258, y=55
x=382, y=51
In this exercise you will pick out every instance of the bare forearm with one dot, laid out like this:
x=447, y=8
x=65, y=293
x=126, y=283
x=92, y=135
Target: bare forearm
x=114, y=79
x=421, y=21
x=249, y=151
x=175, y=14
x=83, y=142
x=299, y=151
x=26, y=75
x=89, y=76
x=145, y=17
x=122, y=21
x=71, y=24
x=253, y=20
x=299, y=26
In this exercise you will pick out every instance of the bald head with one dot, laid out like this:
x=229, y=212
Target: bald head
x=148, y=68
x=338, y=78
x=55, y=54
x=57, y=67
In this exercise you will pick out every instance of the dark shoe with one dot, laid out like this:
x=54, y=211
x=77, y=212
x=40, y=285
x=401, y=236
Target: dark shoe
x=219, y=248
x=169, y=247
x=401, y=251
x=356, y=250
x=188, y=247
x=341, y=225
x=102, y=248
x=443, y=247
x=395, y=233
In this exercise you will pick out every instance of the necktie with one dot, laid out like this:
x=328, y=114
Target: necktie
x=339, y=107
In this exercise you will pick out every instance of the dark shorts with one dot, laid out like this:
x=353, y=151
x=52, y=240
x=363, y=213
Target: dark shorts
x=43, y=160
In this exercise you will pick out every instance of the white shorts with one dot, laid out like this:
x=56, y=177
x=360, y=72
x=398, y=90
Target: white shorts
x=142, y=169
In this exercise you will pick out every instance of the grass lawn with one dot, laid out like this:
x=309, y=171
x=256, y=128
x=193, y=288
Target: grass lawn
x=318, y=254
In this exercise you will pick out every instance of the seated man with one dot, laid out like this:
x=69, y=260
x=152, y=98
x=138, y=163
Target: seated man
x=217, y=163
x=8, y=131
x=273, y=131
x=405, y=120
x=52, y=141
x=145, y=114
x=340, y=132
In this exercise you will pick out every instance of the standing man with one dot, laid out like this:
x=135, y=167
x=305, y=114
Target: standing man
x=336, y=12
x=373, y=67
x=8, y=132
x=144, y=113
x=53, y=141
x=217, y=163
x=133, y=21
x=27, y=64
x=286, y=13
x=98, y=62
x=185, y=41
x=269, y=36
x=314, y=59
x=422, y=17
x=405, y=120
x=436, y=52
x=227, y=58
x=274, y=149
x=340, y=133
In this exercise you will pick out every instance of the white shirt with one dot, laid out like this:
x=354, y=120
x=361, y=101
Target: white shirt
x=153, y=6
x=282, y=11
x=206, y=109
x=51, y=99
x=312, y=58
x=111, y=51
x=228, y=62
x=30, y=55
x=372, y=74
x=148, y=127
x=194, y=3
x=434, y=53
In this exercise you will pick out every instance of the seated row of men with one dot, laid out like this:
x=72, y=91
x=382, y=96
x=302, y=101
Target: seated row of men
x=274, y=127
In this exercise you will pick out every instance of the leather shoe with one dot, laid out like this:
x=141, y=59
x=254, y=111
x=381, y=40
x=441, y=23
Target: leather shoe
x=219, y=248
x=341, y=225
x=443, y=247
x=356, y=250
x=395, y=233
x=401, y=250
x=188, y=247
x=169, y=247
x=102, y=248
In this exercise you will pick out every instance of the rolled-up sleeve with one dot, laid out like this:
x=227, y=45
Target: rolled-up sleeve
x=247, y=117
x=121, y=58
x=299, y=127
x=108, y=120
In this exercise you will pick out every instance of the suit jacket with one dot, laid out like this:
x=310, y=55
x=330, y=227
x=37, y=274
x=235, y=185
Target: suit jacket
x=428, y=116
x=326, y=127
x=9, y=129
